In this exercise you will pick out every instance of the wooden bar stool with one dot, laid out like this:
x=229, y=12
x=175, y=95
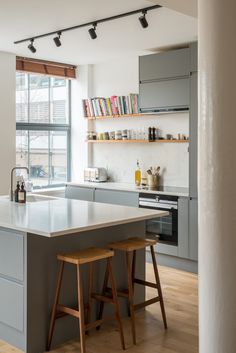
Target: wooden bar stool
x=130, y=246
x=88, y=256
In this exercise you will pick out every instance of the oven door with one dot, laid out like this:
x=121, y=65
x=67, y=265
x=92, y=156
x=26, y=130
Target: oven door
x=164, y=228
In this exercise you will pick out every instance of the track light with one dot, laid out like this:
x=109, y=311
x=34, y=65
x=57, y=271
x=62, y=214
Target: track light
x=143, y=20
x=31, y=46
x=92, y=31
x=57, y=40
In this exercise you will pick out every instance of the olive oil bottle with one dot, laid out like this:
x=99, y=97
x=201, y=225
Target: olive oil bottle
x=138, y=175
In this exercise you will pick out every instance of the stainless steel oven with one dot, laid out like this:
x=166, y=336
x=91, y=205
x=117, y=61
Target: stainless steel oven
x=164, y=228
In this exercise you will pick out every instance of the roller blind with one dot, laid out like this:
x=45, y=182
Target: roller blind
x=45, y=67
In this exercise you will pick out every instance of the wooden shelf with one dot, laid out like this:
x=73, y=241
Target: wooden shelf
x=137, y=141
x=114, y=116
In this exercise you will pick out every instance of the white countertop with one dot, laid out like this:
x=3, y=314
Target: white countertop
x=174, y=191
x=54, y=217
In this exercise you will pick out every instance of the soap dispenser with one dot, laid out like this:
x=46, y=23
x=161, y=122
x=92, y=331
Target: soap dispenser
x=22, y=194
x=17, y=191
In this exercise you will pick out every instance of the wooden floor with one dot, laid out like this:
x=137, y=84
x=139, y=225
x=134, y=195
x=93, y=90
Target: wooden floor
x=180, y=295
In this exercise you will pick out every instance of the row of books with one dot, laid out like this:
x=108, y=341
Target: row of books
x=115, y=105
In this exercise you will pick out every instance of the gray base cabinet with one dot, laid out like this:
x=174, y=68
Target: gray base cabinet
x=123, y=198
x=183, y=227
x=193, y=229
x=79, y=193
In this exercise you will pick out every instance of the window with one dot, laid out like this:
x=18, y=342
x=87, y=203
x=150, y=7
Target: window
x=43, y=128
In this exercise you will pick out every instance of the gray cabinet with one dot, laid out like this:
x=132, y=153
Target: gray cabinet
x=79, y=193
x=11, y=255
x=164, y=81
x=169, y=64
x=183, y=227
x=164, y=95
x=193, y=229
x=12, y=304
x=124, y=198
x=193, y=133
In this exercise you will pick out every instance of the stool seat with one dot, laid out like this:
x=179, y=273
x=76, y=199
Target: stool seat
x=132, y=244
x=85, y=256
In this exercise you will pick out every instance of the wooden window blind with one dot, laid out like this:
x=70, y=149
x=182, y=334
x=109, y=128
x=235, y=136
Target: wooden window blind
x=45, y=67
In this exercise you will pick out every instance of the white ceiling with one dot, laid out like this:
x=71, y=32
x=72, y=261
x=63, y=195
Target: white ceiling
x=188, y=7
x=26, y=18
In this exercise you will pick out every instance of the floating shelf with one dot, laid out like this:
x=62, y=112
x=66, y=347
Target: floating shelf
x=114, y=116
x=137, y=141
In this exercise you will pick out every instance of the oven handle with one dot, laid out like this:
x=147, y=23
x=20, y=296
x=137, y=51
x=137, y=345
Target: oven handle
x=158, y=205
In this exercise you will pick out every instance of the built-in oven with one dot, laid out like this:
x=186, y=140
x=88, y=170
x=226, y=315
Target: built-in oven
x=164, y=228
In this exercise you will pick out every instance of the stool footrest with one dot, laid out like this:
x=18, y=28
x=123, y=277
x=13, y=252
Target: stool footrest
x=122, y=293
x=103, y=298
x=145, y=283
x=69, y=311
x=99, y=322
x=146, y=303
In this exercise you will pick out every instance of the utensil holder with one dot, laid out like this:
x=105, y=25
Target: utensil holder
x=152, y=181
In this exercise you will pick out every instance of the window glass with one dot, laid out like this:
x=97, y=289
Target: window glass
x=43, y=100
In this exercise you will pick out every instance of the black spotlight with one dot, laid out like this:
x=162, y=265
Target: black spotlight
x=92, y=31
x=31, y=46
x=57, y=40
x=143, y=20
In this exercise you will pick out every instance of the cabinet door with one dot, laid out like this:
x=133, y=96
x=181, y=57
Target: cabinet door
x=117, y=197
x=164, y=94
x=193, y=135
x=173, y=63
x=12, y=254
x=12, y=304
x=79, y=193
x=193, y=229
x=183, y=227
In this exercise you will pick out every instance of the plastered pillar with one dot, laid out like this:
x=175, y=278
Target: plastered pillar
x=217, y=176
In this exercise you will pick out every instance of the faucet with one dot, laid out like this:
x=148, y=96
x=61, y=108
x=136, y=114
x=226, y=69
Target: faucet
x=15, y=168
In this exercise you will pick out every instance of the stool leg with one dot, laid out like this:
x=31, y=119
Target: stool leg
x=116, y=303
x=133, y=267
x=81, y=309
x=90, y=290
x=158, y=286
x=131, y=295
x=54, y=310
x=105, y=283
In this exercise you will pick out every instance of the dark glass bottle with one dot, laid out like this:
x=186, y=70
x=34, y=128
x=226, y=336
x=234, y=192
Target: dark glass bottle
x=154, y=134
x=150, y=135
x=22, y=194
x=17, y=191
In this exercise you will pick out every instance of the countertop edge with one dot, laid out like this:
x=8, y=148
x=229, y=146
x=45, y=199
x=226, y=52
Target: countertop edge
x=118, y=187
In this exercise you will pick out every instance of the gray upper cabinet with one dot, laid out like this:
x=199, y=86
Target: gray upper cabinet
x=164, y=94
x=124, y=198
x=169, y=64
x=164, y=81
x=79, y=193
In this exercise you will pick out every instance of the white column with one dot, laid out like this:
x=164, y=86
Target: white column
x=217, y=175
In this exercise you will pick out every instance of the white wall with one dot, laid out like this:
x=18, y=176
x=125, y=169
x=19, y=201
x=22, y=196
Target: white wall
x=120, y=77
x=7, y=119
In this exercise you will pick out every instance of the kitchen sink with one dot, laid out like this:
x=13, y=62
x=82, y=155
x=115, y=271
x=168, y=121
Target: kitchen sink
x=34, y=198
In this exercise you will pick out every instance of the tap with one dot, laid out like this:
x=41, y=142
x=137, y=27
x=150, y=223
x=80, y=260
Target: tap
x=15, y=168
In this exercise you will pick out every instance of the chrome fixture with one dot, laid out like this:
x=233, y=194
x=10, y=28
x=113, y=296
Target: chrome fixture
x=13, y=169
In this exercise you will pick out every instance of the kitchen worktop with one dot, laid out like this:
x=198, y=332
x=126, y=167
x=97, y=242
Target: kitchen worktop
x=54, y=217
x=169, y=190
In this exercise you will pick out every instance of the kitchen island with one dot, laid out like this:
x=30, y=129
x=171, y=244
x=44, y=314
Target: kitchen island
x=31, y=235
